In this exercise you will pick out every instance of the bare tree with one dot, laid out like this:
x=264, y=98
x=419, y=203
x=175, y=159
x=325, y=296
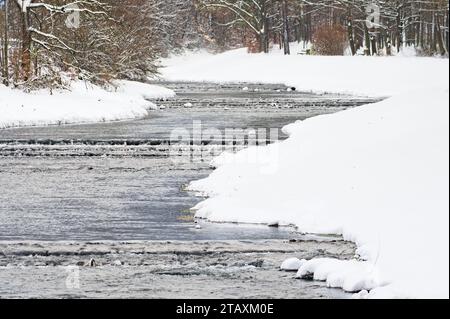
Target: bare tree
x=419, y=23
x=115, y=39
x=4, y=40
x=252, y=14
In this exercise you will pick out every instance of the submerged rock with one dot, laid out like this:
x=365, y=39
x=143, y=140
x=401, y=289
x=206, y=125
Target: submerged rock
x=274, y=224
x=257, y=263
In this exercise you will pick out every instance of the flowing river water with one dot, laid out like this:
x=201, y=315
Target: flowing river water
x=110, y=196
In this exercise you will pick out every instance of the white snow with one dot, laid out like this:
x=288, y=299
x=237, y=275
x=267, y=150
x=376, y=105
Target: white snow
x=84, y=103
x=373, y=76
x=377, y=174
x=350, y=275
x=292, y=264
x=363, y=294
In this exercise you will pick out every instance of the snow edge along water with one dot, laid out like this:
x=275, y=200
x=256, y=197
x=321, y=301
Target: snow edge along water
x=382, y=168
x=83, y=103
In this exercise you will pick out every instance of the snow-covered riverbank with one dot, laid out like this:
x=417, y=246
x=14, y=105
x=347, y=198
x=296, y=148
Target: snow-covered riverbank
x=85, y=103
x=377, y=174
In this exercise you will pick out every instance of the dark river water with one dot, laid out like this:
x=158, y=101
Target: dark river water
x=115, y=184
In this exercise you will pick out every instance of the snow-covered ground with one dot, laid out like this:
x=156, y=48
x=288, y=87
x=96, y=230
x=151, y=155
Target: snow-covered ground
x=84, y=103
x=378, y=174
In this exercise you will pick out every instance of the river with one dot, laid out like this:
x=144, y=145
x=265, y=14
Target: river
x=110, y=192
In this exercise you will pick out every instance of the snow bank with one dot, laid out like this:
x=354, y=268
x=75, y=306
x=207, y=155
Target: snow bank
x=85, y=103
x=377, y=174
x=375, y=76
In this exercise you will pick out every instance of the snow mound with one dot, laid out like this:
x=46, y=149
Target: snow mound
x=350, y=275
x=292, y=264
x=84, y=103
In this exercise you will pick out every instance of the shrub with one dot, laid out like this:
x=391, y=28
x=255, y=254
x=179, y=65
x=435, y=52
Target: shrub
x=330, y=40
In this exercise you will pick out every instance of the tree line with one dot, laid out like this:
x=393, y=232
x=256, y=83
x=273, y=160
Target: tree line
x=93, y=40
x=368, y=26
x=101, y=40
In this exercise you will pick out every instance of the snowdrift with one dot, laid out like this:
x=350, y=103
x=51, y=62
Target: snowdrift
x=84, y=103
x=377, y=174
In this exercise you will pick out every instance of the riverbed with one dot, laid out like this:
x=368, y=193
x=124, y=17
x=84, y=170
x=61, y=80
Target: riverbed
x=114, y=193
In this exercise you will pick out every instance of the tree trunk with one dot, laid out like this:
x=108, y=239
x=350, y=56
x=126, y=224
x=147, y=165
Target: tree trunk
x=286, y=40
x=421, y=35
x=26, y=47
x=447, y=33
x=439, y=39
x=262, y=40
x=5, y=48
x=373, y=44
x=351, y=38
x=433, y=34
x=366, y=41
x=266, y=36
x=298, y=30
x=388, y=45
x=399, y=31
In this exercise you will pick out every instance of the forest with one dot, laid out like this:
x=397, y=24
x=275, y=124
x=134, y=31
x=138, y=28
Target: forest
x=44, y=42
